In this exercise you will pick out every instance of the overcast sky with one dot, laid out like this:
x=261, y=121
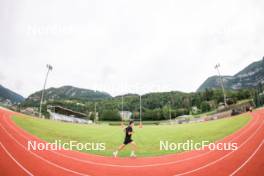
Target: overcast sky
x=135, y=46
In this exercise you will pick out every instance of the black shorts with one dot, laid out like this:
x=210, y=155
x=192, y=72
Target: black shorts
x=127, y=141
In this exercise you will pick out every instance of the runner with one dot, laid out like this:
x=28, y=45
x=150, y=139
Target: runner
x=128, y=140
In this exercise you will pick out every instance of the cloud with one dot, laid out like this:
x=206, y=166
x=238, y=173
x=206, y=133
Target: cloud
x=126, y=46
x=2, y=77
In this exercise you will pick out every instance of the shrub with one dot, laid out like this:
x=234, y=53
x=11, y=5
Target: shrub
x=110, y=115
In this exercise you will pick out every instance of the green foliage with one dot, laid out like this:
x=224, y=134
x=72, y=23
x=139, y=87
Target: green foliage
x=258, y=95
x=155, y=106
x=205, y=106
x=231, y=101
x=155, y=114
x=110, y=115
x=166, y=112
x=179, y=112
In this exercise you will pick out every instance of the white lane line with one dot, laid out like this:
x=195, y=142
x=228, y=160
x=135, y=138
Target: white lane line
x=20, y=165
x=137, y=166
x=219, y=159
x=43, y=159
x=252, y=155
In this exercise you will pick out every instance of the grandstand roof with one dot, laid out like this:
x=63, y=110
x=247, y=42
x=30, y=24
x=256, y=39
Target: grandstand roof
x=65, y=111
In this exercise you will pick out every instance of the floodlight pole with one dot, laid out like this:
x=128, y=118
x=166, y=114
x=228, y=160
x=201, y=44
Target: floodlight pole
x=43, y=91
x=95, y=113
x=170, y=112
x=222, y=83
x=140, y=111
x=122, y=107
x=122, y=114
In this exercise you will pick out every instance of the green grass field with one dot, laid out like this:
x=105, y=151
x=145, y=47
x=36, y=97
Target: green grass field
x=147, y=138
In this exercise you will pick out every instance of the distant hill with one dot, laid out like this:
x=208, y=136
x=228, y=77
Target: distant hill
x=249, y=77
x=6, y=94
x=127, y=95
x=69, y=92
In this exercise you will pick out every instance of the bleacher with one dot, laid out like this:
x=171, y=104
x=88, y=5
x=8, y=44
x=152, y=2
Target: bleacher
x=66, y=115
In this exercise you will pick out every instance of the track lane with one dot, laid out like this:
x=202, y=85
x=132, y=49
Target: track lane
x=108, y=161
x=8, y=165
x=229, y=162
x=255, y=166
x=250, y=158
x=113, y=170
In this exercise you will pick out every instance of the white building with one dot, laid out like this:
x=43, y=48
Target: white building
x=126, y=115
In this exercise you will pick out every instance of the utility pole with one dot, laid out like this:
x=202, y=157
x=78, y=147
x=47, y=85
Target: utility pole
x=170, y=112
x=122, y=114
x=222, y=83
x=95, y=113
x=122, y=107
x=43, y=91
x=140, y=111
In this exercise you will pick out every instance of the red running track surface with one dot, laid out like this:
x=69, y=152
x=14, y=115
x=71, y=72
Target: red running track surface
x=248, y=160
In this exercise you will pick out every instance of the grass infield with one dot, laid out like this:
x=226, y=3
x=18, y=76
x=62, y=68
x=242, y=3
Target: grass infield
x=147, y=138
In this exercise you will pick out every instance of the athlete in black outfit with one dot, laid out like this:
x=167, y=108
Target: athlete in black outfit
x=128, y=140
x=129, y=131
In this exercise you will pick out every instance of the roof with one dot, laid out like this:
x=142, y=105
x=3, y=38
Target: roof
x=65, y=111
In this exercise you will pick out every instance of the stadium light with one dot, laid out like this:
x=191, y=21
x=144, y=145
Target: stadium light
x=222, y=83
x=170, y=112
x=95, y=113
x=122, y=113
x=43, y=91
x=140, y=111
x=122, y=107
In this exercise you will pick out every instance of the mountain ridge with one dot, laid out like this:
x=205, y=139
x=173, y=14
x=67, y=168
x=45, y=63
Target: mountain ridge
x=248, y=77
x=69, y=92
x=7, y=94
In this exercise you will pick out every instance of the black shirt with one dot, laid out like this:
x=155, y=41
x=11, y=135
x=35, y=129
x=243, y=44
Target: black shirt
x=128, y=130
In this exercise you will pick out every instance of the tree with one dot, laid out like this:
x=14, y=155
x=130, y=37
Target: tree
x=111, y=115
x=155, y=114
x=205, y=106
x=166, y=112
x=208, y=94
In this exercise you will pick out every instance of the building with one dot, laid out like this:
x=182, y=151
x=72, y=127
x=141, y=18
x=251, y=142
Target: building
x=67, y=115
x=126, y=115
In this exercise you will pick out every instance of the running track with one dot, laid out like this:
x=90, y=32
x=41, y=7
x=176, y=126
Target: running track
x=16, y=160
